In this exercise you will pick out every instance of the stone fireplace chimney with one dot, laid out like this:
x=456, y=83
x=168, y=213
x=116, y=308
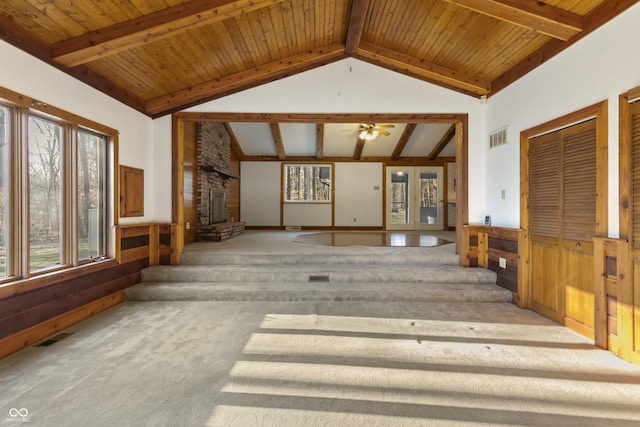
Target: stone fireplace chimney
x=214, y=161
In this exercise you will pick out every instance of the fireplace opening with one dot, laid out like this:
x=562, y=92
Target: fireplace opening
x=217, y=207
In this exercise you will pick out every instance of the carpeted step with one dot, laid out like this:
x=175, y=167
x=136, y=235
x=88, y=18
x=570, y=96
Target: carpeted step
x=331, y=291
x=309, y=273
x=418, y=257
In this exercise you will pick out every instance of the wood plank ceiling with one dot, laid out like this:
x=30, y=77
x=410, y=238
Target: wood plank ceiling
x=165, y=55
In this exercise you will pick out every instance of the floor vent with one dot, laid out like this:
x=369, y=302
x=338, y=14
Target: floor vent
x=318, y=278
x=54, y=339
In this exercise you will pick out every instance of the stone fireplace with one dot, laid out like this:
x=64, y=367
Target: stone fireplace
x=214, y=176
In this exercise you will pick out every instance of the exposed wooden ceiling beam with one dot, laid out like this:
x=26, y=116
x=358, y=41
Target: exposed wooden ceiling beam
x=319, y=141
x=450, y=133
x=602, y=14
x=359, y=147
x=277, y=140
x=244, y=80
x=421, y=69
x=533, y=14
x=356, y=25
x=405, y=161
x=235, y=145
x=448, y=118
x=402, y=142
x=24, y=40
x=149, y=28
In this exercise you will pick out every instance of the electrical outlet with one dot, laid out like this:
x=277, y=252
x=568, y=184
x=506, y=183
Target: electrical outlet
x=502, y=262
x=188, y=225
x=354, y=219
x=503, y=194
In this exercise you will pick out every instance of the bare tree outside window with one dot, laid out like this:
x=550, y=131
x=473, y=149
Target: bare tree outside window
x=307, y=183
x=45, y=193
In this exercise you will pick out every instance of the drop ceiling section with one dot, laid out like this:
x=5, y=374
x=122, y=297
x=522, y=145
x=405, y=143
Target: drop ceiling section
x=339, y=140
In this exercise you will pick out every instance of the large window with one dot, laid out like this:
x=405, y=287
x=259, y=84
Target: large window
x=307, y=183
x=54, y=175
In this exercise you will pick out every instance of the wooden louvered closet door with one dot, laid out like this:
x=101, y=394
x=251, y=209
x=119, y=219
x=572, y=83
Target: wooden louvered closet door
x=544, y=225
x=562, y=224
x=631, y=298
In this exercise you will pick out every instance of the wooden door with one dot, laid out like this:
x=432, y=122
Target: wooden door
x=544, y=225
x=578, y=225
x=628, y=293
x=562, y=224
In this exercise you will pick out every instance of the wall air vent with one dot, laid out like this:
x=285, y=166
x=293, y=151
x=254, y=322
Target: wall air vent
x=498, y=138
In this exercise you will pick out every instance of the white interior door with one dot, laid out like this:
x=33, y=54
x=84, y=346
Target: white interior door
x=414, y=198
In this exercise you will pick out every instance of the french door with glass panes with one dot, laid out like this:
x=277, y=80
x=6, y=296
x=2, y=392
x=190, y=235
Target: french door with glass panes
x=414, y=198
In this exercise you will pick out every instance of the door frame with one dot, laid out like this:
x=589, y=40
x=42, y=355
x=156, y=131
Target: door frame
x=461, y=122
x=598, y=111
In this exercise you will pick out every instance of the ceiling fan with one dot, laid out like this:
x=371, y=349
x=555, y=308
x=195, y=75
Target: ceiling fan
x=370, y=131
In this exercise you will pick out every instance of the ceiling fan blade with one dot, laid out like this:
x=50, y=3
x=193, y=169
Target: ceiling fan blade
x=386, y=126
x=383, y=132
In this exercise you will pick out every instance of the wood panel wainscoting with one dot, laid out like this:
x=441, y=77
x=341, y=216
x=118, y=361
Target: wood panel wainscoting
x=36, y=308
x=614, y=299
x=484, y=246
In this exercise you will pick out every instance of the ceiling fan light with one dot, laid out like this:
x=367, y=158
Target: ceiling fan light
x=369, y=134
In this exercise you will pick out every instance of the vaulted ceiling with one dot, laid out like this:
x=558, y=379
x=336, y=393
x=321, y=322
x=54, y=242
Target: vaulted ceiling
x=162, y=56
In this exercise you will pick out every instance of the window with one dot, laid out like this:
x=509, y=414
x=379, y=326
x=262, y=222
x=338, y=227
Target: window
x=45, y=193
x=307, y=183
x=4, y=190
x=55, y=174
x=91, y=195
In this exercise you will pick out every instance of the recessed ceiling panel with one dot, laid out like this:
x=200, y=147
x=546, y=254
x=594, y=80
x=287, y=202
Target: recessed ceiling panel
x=299, y=139
x=255, y=139
x=424, y=138
x=450, y=149
x=384, y=145
x=340, y=139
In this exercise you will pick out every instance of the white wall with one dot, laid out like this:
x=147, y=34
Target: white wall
x=307, y=214
x=354, y=192
x=347, y=86
x=600, y=67
x=260, y=193
x=29, y=76
x=356, y=196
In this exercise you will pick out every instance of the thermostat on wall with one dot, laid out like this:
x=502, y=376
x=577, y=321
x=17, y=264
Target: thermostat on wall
x=487, y=220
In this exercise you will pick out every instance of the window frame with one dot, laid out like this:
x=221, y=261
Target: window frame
x=331, y=189
x=21, y=108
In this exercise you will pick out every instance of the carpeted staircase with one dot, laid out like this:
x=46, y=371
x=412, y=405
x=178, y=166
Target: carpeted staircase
x=407, y=276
